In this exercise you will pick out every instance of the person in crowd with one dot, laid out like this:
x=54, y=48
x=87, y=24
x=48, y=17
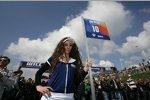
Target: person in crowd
x=17, y=76
x=133, y=88
x=87, y=90
x=115, y=87
x=80, y=92
x=105, y=87
x=147, y=90
x=67, y=72
x=99, y=88
x=18, y=84
x=4, y=61
x=123, y=89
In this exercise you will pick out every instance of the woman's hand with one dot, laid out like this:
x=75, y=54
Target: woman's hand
x=87, y=65
x=44, y=89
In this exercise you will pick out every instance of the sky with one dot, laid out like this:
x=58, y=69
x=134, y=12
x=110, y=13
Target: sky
x=30, y=31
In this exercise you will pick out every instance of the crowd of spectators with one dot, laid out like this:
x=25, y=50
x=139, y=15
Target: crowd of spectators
x=107, y=87
x=111, y=87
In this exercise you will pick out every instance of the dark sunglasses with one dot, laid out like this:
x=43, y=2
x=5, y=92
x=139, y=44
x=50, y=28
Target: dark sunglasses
x=5, y=60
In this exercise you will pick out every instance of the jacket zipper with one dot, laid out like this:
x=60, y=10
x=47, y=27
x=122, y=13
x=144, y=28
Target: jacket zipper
x=66, y=78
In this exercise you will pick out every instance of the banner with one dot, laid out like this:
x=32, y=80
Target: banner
x=95, y=69
x=96, y=29
x=29, y=64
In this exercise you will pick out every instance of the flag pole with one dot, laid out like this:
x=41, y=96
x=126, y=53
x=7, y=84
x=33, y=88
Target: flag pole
x=90, y=71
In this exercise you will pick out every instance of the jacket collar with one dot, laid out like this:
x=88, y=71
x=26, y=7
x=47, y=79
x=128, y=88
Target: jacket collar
x=70, y=61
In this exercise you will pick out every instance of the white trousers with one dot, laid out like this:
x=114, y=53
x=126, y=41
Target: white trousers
x=58, y=96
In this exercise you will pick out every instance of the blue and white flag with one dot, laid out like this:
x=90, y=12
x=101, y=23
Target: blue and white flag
x=96, y=29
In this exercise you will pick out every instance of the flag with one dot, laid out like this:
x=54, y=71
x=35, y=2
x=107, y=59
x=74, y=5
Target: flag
x=96, y=29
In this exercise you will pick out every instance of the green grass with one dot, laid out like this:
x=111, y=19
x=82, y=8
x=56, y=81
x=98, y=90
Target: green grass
x=144, y=76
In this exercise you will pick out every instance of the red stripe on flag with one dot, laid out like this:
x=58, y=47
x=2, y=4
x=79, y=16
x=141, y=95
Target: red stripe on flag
x=103, y=29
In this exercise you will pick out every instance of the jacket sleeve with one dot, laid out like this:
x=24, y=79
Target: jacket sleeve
x=79, y=79
x=38, y=75
x=82, y=76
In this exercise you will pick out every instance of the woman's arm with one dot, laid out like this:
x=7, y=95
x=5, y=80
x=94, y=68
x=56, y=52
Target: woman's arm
x=38, y=75
x=88, y=64
x=85, y=70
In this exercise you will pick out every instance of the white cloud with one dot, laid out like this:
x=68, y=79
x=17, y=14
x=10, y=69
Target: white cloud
x=113, y=13
x=137, y=43
x=148, y=53
x=106, y=63
x=134, y=60
x=102, y=48
x=27, y=49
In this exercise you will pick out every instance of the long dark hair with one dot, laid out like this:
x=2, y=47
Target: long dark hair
x=59, y=50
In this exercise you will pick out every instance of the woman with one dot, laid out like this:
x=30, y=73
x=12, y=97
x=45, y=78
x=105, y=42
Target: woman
x=67, y=72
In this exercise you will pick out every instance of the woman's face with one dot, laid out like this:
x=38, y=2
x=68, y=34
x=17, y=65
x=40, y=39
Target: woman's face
x=68, y=47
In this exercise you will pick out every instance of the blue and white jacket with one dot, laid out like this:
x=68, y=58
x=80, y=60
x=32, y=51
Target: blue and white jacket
x=63, y=77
